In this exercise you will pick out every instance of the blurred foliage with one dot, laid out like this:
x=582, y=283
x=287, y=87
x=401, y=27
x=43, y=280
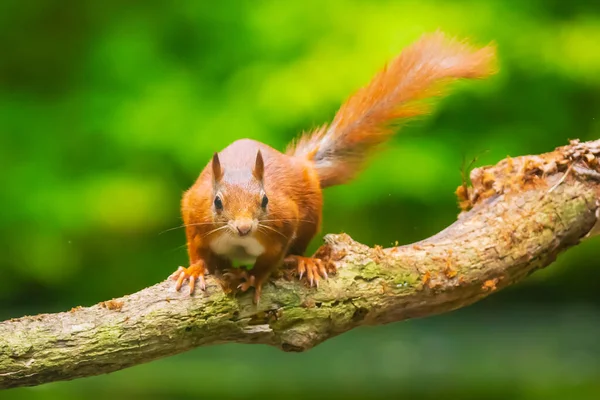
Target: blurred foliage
x=109, y=110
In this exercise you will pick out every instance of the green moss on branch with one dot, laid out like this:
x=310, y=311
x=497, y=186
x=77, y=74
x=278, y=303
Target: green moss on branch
x=516, y=224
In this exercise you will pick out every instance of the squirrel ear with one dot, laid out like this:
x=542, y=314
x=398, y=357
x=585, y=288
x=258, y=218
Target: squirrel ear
x=259, y=167
x=216, y=168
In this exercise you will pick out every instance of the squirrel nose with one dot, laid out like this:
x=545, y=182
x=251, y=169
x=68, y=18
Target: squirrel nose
x=244, y=228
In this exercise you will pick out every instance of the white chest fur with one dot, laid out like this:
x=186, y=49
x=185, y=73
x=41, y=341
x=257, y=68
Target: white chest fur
x=243, y=249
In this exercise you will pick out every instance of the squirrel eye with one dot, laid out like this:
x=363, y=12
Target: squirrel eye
x=265, y=201
x=218, y=203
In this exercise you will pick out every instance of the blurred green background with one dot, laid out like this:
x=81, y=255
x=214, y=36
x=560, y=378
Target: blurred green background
x=109, y=110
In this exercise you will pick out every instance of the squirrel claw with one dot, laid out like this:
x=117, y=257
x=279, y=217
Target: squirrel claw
x=251, y=282
x=314, y=269
x=191, y=274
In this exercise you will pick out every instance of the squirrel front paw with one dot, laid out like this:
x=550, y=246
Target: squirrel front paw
x=314, y=268
x=192, y=274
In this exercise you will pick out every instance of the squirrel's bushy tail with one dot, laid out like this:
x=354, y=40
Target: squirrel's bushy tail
x=421, y=71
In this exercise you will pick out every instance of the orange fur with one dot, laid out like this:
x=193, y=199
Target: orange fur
x=421, y=71
x=226, y=212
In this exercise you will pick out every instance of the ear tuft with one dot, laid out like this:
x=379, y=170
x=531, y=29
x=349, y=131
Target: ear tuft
x=259, y=167
x=216, y=168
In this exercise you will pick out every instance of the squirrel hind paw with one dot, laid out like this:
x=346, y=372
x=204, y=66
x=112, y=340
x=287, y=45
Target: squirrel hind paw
x=252, y=282
x=229, y=279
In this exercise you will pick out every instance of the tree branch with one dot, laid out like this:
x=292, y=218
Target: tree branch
x=522, y=213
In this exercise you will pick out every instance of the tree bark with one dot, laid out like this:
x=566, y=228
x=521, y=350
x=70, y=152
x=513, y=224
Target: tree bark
x=518, y=216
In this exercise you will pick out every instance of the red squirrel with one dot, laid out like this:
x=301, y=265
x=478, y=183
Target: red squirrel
x=262, y=207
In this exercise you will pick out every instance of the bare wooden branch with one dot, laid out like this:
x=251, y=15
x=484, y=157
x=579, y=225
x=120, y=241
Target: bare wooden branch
x=518, y=216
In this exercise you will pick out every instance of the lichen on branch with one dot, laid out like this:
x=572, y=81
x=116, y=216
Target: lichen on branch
x=518, y=215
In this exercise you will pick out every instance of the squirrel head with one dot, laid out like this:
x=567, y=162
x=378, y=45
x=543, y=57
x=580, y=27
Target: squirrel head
x=239, y=199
